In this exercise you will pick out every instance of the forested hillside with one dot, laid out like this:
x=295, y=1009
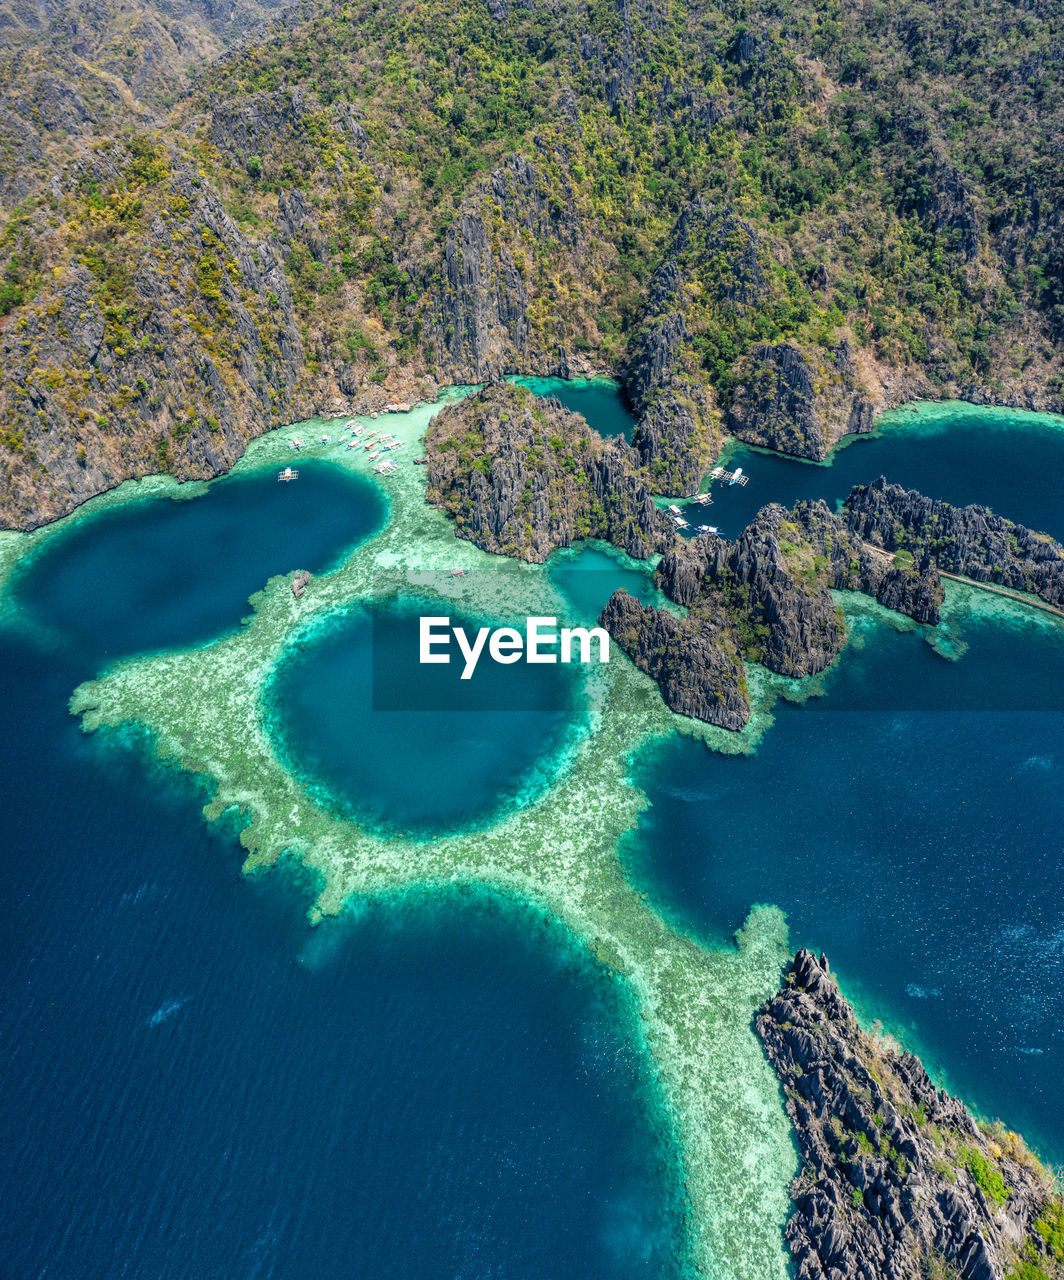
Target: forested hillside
x=769, y=219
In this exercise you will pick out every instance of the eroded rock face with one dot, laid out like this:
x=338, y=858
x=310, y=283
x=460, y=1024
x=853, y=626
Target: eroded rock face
x=700, y=673
x=679, y=431
x=769, y=591
x=797, y=402
x=478, y=322
x=897, y=1179
x=776, y=579
x=970, y=541
x=72, y=374
x=522, y=475
x=765, y=597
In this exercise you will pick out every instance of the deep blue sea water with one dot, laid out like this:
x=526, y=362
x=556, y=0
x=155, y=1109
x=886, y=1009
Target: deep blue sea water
x=911, y=822
x=911, y=825
x=1011, y=463
x=163, y=573
x=195, y=1084
x=415, y=746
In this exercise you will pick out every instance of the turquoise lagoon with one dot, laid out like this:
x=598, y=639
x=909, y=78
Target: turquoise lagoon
x=197, y=1085
x=412, y=747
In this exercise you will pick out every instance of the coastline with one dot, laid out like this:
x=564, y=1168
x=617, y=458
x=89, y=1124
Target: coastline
x=608, y=919
x=891, y=409
x=559, y=852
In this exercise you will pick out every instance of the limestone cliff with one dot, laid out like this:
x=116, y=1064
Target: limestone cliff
x=523, y=475
x=970, y=541
x=798, y=401
x=765, y=597
x=698, y=669
x=897, y=1179
x=108, y=374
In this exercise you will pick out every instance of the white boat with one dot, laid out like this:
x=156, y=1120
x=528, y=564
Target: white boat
x=287, y=474
x=708, y=528
x=735, y=475
x=675, y=511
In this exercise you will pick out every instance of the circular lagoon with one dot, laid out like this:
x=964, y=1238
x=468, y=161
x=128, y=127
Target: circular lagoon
x=409, y=746
x=162, y=572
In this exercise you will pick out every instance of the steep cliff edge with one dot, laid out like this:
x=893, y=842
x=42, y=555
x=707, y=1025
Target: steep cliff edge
x=898, y=1181
x=970, y=541
x=522, y=475
x=765, y=597
x=784, y=232
x=799, y=402
x=168, y=338
x=699, y=669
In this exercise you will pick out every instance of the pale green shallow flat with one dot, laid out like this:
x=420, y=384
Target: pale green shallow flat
x=555, y=847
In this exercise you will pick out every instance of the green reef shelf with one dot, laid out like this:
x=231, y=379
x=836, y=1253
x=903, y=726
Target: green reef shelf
x=732, y=1145
x=557, y=848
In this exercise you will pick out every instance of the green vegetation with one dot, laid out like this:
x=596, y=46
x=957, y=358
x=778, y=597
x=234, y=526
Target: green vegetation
x=987, y=1177
x=450, y=193
x=1050, y=1227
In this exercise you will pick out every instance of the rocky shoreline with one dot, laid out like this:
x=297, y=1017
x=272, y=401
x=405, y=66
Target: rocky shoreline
x=969, y=541
x=898, y=1181
x=766, y=597
x=522, y=475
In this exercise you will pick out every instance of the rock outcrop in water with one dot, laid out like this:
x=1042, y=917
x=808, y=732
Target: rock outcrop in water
x=698, y=669
x=522, y=475
x=765, y=597
x=898, y=1182
x=970, y=541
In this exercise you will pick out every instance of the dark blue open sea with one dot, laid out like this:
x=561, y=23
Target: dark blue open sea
x=911, y=821
x=196, y=1084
